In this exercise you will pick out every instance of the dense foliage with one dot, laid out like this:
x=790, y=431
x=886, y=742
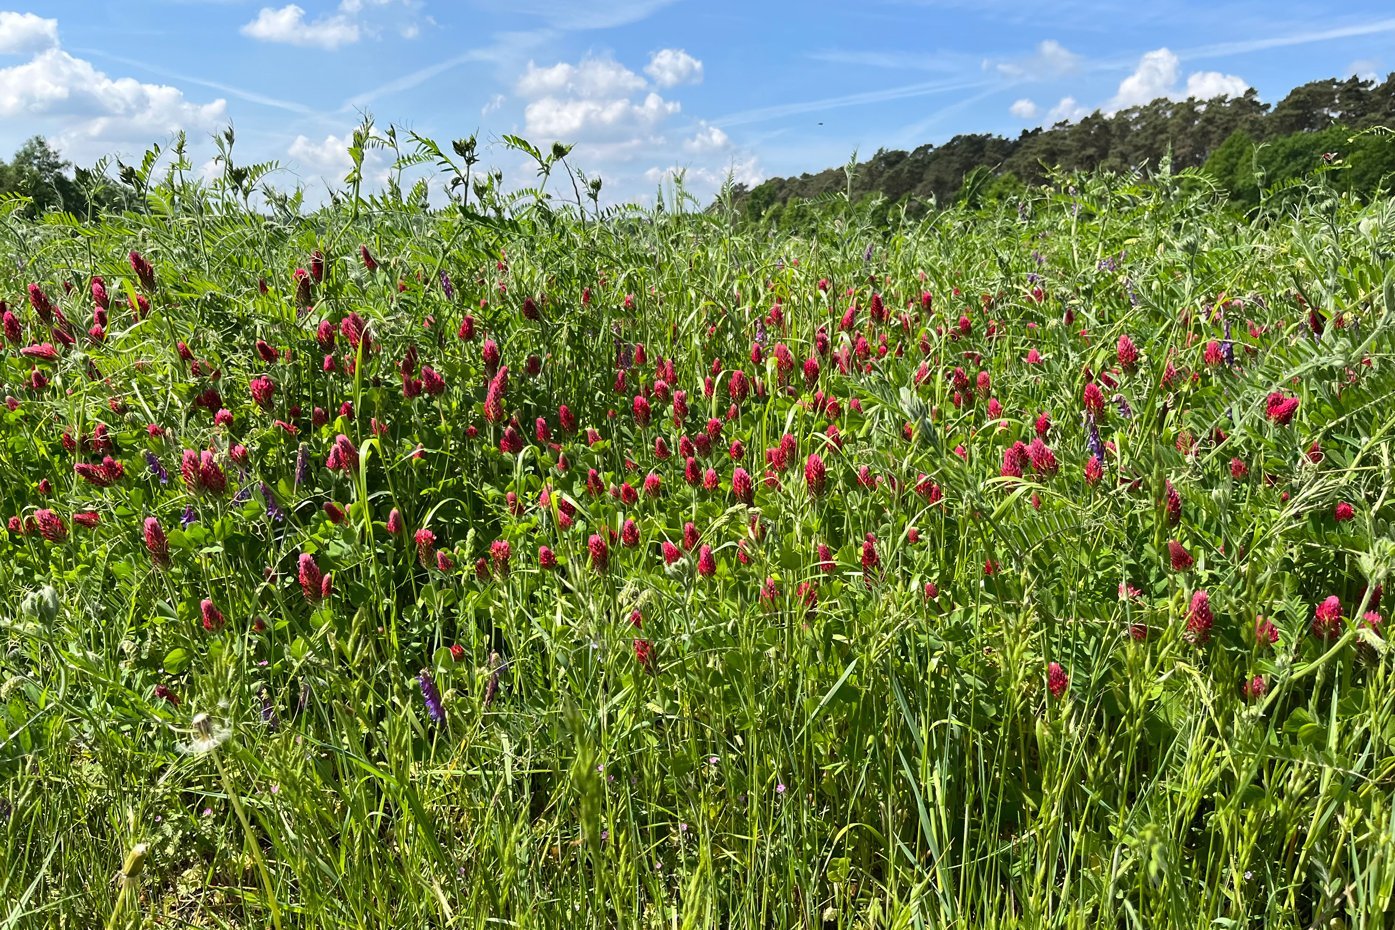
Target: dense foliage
x=511, y=564
x=1244, y=144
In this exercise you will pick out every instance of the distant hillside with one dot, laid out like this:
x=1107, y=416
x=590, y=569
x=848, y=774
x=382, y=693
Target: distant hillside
x=1219, y=135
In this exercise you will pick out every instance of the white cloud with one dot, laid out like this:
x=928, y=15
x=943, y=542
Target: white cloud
x=1051, y=60
x=90, y=113
x=707, y=139
x=670, y=67
x=21, y=33
x=350, y=22
x=597, y=120
x=1068, y=109
x=1208, y=85
x=1367, y=69
x=594, y=78
x=494, y=105
x=1023, y=109
x=329, y=157
x=288, y=26
x=704, y=181
x=1157, y=75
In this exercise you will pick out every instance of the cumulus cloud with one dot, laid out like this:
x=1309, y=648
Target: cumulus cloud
x=707, y=139
x=288, y=26
x=351, y=21
x=670, y=67
x=87, y=112
x=595, y=101
x=594, y=78
x=704, y=180
x=22, y=33
x=1154, y=77
x=1023, y=109
x=329, y=156
x=597, y=120
x=1208, y=85
x=1068, y=109
x=1157, y=75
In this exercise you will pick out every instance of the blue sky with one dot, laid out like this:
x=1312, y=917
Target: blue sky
x=643, y=87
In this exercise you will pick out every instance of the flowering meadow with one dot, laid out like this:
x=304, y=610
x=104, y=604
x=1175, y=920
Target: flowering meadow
x=517, y=564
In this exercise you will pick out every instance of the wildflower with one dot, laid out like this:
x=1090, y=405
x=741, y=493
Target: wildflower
x=1172, y=504
x=870, y=558
x=1094, y=400
x=212, y=616
x=707, y=563
x=1094, y=470
x=1266, y=634
x=629, y=534
x=644, y=654
x=310, y=577
x=1178, y=555
x=1254, y=688
x=1327, y=619
x=1056, y=680
x=1280, y=408
x=431, y=697
x=1127, y=354
x=500, y=552
x=815, y=474
x=1238, y=469
x=1343, y=512
x=51, y=526
x=144, y=273
x=600, y=553
x=1042, y=459
x=1199, y=619
x=156, y=543
x=426, y=545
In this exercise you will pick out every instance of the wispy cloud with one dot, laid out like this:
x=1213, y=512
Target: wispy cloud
x=904, y=91
x=1305, y=36
x=505, y=47
x=232, y=91
x=939, y=62
x=569, y=15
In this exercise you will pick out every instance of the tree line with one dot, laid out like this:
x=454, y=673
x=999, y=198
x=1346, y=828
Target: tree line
x=1246, y=145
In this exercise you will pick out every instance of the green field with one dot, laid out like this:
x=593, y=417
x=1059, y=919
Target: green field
x=515, y=563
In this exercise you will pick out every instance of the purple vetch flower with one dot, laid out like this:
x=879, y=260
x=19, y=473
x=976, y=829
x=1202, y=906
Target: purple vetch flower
x=156, y=468
x=242, y=496
x=1133, y=295
x=867, y=256
x=188, y=516
x=1228, y=347
x=1033, y=277
x=1092, y=439
x=431, y=696
x=446, y=287
x=273, y=510
x=1125, y=410
x=302, y=464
